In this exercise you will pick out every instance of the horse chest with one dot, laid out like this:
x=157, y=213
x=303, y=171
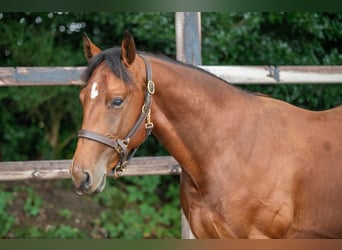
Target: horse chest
x=225, y=217
x=204, y=220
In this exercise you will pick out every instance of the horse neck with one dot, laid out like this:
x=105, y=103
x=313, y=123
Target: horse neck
x=187, y=111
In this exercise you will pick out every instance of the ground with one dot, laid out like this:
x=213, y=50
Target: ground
x=132, y=208
x=59, y=205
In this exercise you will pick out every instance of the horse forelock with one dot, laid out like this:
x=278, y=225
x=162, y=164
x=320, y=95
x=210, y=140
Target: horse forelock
x=112, y=57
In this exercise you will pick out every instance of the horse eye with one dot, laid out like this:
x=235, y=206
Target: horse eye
x=116, y=102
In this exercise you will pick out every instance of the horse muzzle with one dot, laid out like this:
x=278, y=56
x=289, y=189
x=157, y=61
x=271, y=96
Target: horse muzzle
x=86, y=182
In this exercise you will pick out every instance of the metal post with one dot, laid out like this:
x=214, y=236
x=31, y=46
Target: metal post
x=188, y=44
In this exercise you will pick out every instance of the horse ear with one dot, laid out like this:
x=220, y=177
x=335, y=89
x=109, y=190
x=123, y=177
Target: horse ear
x=128, y=50
x=90, y=49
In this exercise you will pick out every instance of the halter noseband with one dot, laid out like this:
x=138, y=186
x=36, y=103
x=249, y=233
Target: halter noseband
x=121, y=146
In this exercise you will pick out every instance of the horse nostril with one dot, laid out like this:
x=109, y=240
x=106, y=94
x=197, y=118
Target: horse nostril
x=87, y=179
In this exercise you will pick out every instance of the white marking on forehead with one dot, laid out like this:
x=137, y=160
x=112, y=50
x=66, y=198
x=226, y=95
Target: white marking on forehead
x=94, y=91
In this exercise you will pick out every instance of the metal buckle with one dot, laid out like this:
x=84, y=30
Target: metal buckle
x=150, y=87
x=118, y=149
x=143, y=109
x=126, y=141
x=119, y=169
x=149, y=126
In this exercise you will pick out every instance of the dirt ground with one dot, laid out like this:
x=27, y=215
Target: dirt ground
x=56, y=196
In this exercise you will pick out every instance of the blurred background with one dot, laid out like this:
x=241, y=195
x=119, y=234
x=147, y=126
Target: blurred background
x=40, y=123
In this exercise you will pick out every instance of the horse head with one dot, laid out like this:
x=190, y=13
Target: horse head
x=116, y=106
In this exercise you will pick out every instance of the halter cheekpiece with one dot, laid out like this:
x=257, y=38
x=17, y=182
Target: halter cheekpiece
x=121, y=146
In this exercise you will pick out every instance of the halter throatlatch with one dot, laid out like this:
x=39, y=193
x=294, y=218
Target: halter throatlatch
x=121, y=146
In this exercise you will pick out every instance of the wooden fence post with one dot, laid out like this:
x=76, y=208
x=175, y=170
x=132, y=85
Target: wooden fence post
x=188, y=37
x=188, y=45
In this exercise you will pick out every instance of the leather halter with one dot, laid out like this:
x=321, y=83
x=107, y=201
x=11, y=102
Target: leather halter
x=121, y=146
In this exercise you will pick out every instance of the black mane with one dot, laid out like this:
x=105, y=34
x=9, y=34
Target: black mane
x=112, y=57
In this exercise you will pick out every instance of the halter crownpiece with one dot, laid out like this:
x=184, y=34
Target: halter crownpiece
x=121, y=146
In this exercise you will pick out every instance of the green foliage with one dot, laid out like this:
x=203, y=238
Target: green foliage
x=6, y=220
x=42, y=123
x=276, y=38
x=33, y=202
x=63, y=232
x=65, y=214
x=51, y=232
x=143, y=213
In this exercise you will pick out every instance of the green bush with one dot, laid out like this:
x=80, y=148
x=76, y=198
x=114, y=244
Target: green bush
x=144, y=212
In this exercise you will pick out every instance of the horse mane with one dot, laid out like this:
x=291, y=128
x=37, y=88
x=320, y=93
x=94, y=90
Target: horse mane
x=112, y=57
x=166, y=58
x=170, y=60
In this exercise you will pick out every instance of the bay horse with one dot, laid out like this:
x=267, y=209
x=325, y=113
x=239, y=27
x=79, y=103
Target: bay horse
x=252, y=166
